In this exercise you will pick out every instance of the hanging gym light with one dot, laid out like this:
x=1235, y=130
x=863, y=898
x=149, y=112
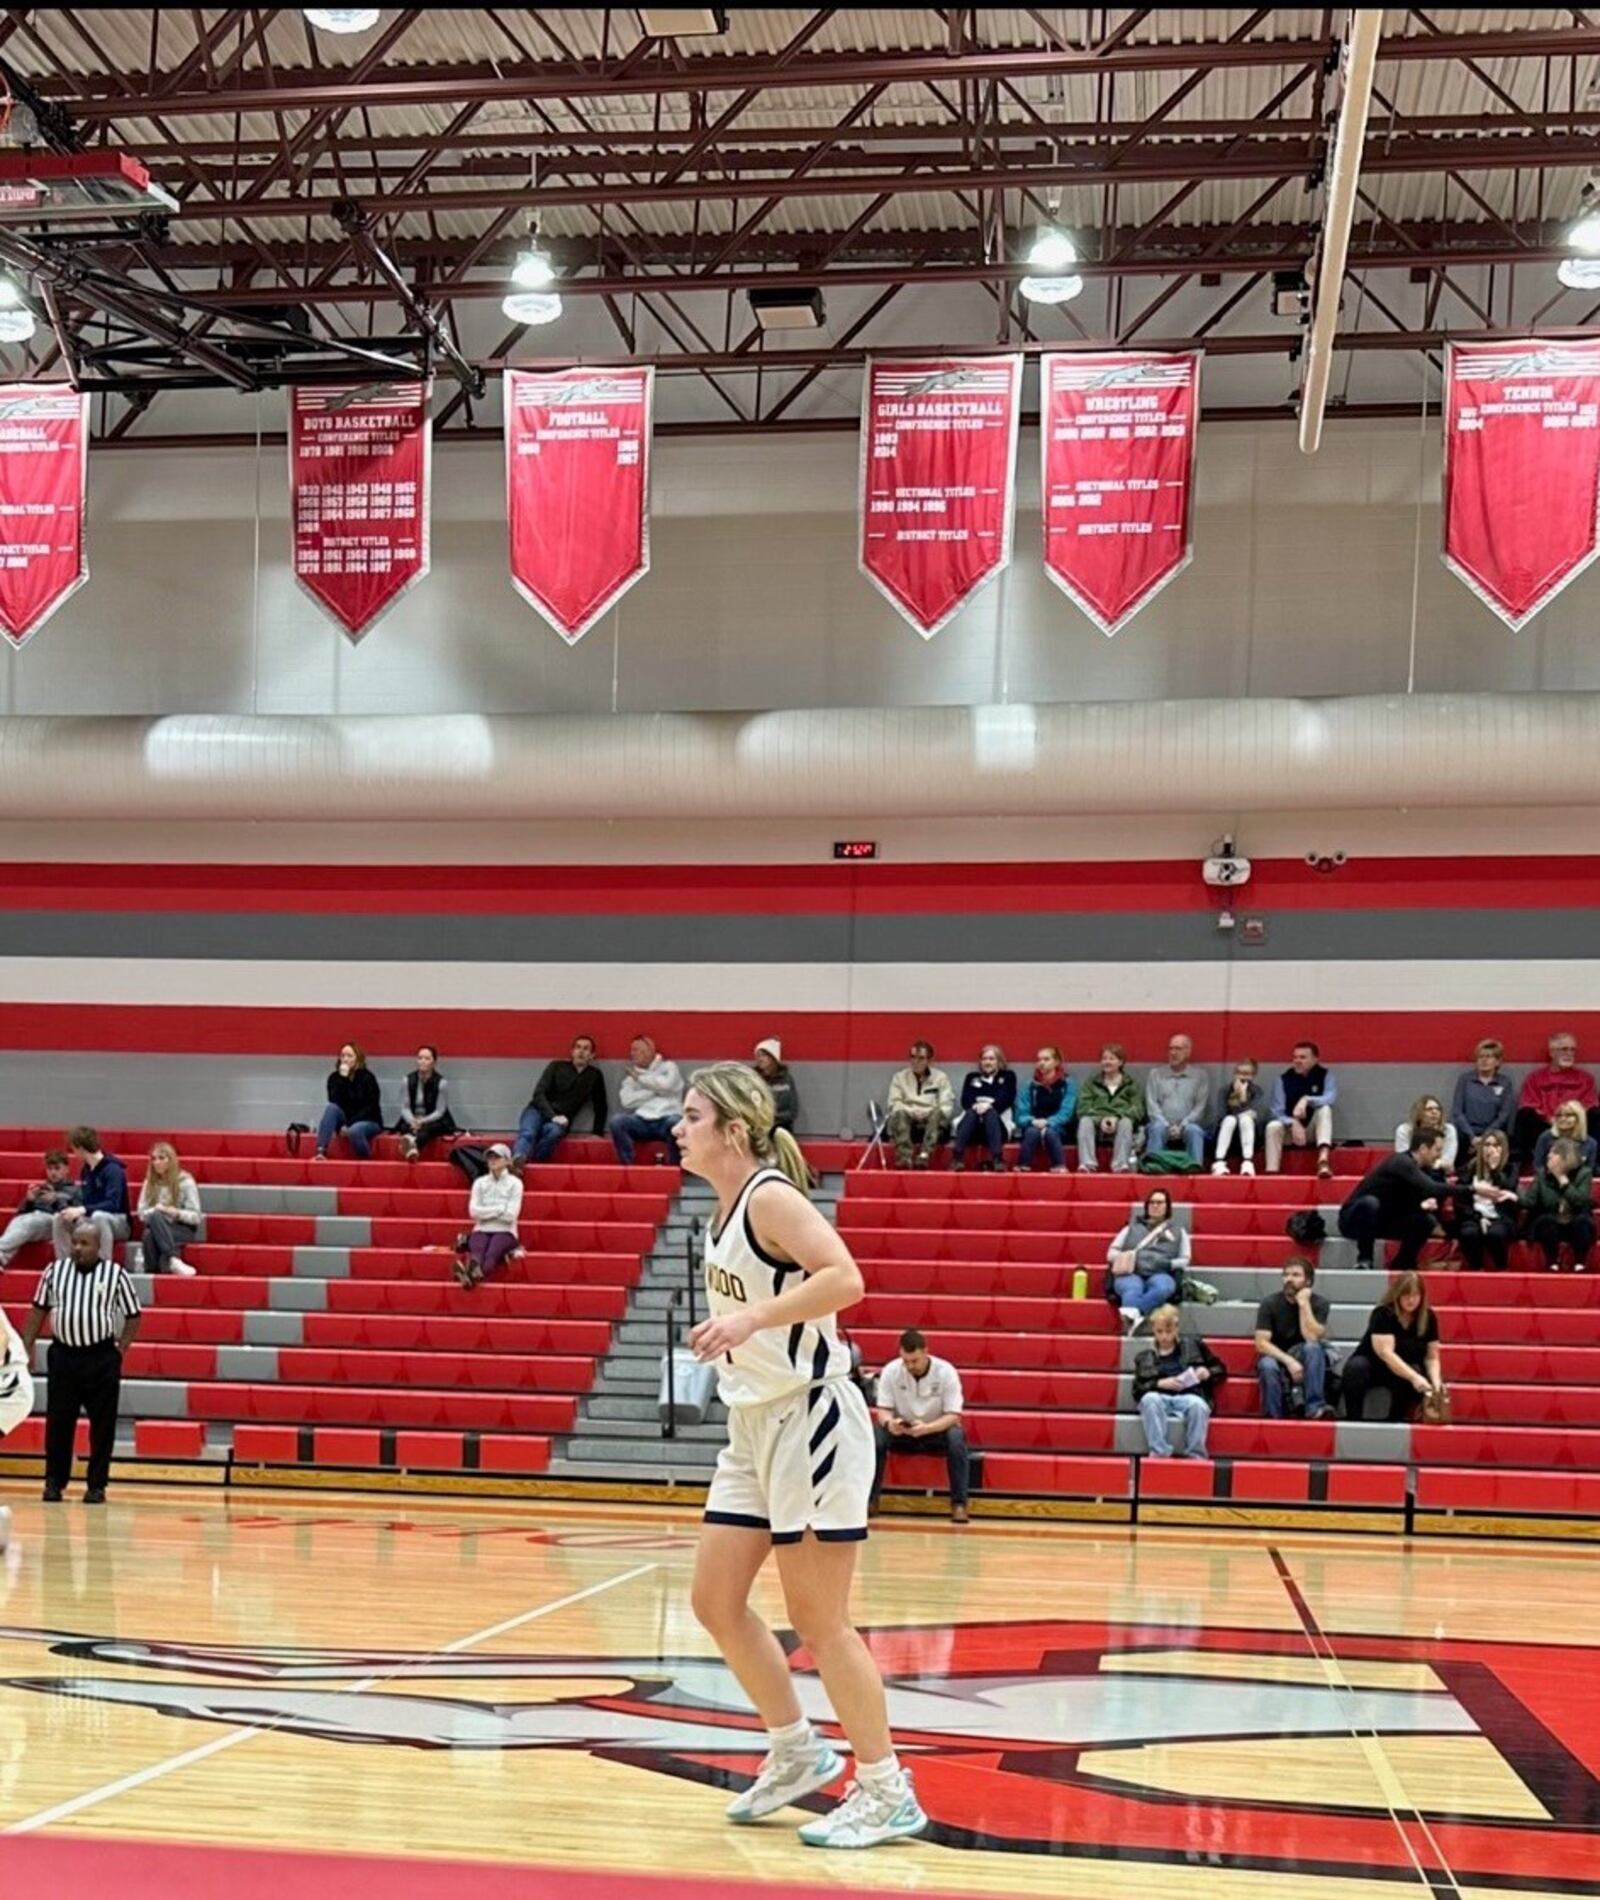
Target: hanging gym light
x=17, y=323
x=533, y=298
x=342, y=19
x=1581, y=271
x=1050, y=259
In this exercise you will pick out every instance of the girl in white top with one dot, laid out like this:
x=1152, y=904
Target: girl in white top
x=169, y=1209
x=797, y=1472
x=495, y=1207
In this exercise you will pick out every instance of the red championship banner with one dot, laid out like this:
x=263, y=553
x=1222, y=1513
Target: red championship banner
x=1521, y=470
x=578, y=489
x=44, y=434
x=938, y=470
x=1116, y=441
x=359, y=458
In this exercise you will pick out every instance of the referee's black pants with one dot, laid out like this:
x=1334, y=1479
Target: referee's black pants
x=82, y=1379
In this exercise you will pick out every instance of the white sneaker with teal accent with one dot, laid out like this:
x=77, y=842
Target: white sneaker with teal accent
x=784, y=1778
x=866, y=1819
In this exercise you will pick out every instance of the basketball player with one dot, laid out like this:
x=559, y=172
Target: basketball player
x=16, y=1398
x=797, y=1470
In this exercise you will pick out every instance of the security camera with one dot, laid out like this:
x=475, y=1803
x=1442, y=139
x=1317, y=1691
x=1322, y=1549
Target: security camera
x=1325, y=861
x=1226, y=919
x=1225, y=869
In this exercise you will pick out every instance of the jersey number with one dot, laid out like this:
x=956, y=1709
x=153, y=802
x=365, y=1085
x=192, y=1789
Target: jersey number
x=729, y=1285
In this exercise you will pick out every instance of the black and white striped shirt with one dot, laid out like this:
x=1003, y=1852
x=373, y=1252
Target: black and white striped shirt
x=89, y=1304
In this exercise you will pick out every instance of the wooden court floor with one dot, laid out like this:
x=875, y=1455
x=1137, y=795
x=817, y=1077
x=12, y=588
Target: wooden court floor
x=1089, y=1712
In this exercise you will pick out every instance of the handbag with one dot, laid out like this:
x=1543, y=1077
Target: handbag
x=292, y=1134
x=1436, y=1406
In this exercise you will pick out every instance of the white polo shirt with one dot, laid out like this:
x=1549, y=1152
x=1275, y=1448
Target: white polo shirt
x=918, y=1400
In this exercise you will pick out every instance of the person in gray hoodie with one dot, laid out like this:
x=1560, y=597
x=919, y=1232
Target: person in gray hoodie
x=1176, y=1099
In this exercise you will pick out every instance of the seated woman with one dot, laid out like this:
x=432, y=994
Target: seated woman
x=1399, y=1352
x=987, y=1093
x=495, y=1206
x=424, y=1106
x=1244, y=1102
x=169, y=1208
x=1175, y=1378
x=354, y=1105
x=1147, y=1260
x=1044, y=1112
x=1570, y=1123
x=1560, y=1204
x=1486, y=1225
x=1110, y=1103
x=1427, y=1111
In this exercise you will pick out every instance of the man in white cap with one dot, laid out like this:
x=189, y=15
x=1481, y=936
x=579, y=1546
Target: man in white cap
x=769, y=1066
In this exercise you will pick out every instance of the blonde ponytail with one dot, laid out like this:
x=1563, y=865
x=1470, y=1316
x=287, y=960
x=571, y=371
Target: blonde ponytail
x=738, y=1095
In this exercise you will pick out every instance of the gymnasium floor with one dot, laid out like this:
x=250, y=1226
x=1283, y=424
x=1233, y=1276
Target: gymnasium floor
x=1209, y=1714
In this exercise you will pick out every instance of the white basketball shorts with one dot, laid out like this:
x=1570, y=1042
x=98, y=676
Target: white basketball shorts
x=799, y=1464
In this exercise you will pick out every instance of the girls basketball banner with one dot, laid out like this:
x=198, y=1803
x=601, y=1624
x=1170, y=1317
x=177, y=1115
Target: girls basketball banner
x=1521, y=470
x=578, y=489
x=44, y=434
x=1116, y=441
x=359, y=459
x=938, y=472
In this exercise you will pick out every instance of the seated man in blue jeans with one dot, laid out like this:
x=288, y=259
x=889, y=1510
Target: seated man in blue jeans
x=1291, y=1331
x=565, y=1091
x=1175, y=1378
x=652, y=1101
x=919, y=1404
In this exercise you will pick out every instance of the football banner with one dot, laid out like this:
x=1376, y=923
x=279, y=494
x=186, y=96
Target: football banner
x=578, y=489
x=44, y=436
x=938, y=474
x=1521, y=470
x=1117, y=441
x=359, y=458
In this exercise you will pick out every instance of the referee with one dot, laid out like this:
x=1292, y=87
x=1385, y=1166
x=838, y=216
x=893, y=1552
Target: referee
x=95, y=1317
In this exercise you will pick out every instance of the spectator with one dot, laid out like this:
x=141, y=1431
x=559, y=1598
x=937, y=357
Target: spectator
x=354, y=1105
x=1175, y=1378
x=1545, y=1089
x=494, y=1207
x=102, y=1196
x=1044, y=1111
x=1483, y=1098
x=1399, y=1352
x=424, y=1106
x=769, y=1065
x=1243, y=1105
x=1147, y=1260
x=1302, y=1106
x=1176, y=1099
x=565, y=1091
x=1291, y=1343
x=1110, y=1104
x=988, y=1093
x=1486, y=1227
x=919, y=1412
x=169, y=1212
x=1570, y=1124
x=652, y=1101
x=921, y=1109
x=1427, y=1111
x=36, y=1211
x=1560, y=1204
x=1397, y=1200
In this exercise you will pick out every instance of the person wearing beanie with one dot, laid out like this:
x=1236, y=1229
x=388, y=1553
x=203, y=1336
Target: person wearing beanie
x=769, y=1065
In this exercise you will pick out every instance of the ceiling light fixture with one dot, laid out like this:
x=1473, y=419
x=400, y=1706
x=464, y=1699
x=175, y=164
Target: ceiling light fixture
x=342, y=19
x=1050, y=259
x=532, y=298
x=1581, y=271
x=17, y=323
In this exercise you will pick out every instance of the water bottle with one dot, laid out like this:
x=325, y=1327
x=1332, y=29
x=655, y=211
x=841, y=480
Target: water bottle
x=1080, y=1284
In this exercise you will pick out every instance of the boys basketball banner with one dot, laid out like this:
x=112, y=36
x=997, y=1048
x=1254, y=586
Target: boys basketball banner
x=44, y=434
x=938, y=470
x=578, y=489
x=1117, y=441
x=359, y=457
x=1521, y=470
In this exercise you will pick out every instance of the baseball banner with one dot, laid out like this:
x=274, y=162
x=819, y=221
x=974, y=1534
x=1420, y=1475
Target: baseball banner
x=1521, y=470
x=938, y=474
x=578, y=489
x=44, y=435
x=1117, y=441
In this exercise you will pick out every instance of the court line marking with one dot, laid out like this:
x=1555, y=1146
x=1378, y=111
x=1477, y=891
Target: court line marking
x=125, y=1784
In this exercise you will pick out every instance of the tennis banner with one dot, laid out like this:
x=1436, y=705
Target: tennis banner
x=1521, y=470
x=578, y=489
x=938, y=475
x=44, y=435
x=1117, y=434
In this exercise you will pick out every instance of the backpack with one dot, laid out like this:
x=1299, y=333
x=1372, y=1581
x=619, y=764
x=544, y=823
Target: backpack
x=470, y=1158
x=292, y=1134
x=1168, y=1161
x=1306, y=1228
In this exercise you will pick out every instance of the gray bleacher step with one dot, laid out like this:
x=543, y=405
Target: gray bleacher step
x=274, y=1329
x=639, y=1409
x=243, y=1197
x=599, y=1428
x=321, y=1263
x=343, y=1230
x=680, y=1451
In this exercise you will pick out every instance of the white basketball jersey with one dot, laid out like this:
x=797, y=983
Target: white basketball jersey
x=16, y=1381
x=778, y=1361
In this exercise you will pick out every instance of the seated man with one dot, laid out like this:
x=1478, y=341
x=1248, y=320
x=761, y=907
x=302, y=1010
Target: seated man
x=37, y=1209
x=919, y=1411
x=1175, y=1378
x=1176, y=1098
x=1396, y=1200
x=921, y=1108
x=565, y=1091
x=1291, y=1353
x=1484, y=1099
x=769, y=1064
x=1544, y=1090
x=1302, y=1108
x=103, y=1188
x=652, y=1101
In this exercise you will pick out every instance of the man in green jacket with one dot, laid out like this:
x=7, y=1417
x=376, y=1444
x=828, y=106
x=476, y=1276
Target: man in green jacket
x=1110, y=1105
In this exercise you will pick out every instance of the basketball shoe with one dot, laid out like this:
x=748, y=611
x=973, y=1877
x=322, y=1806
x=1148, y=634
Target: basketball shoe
x=786, y=1775
x=867, y=1818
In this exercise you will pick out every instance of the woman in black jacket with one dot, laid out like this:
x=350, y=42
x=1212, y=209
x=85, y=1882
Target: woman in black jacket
x=1486, y=1209
x=424, y=1106
x=988, y=1094
x=353, y=1105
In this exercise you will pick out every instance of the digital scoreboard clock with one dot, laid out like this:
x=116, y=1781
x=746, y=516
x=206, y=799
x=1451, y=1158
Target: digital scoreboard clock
x=855, y=848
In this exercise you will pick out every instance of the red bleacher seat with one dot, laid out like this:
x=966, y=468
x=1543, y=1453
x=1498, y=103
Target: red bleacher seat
x=428, y=1451
x=513, y=1454
x=267, y=1444
x=333, y=1446
x=1163, y=1478
x=168, y=1438
x=1058, y=1477
x=1367, y=1485
x=1281, y=1482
